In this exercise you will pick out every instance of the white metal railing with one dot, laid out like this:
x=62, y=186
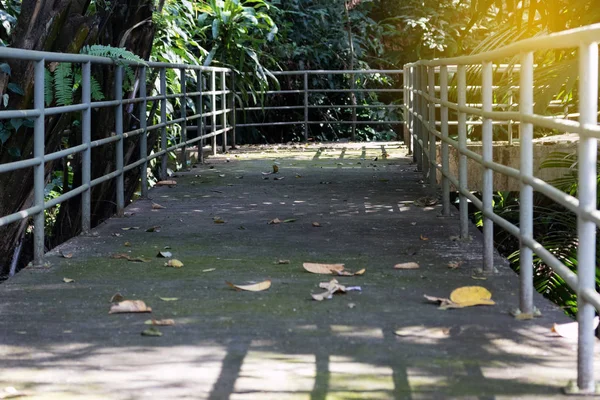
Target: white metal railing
x=421, y=101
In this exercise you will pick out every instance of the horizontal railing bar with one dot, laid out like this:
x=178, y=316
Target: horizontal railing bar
x=103, y=178
x=65, y=196
x=20, y=215
x=21, y=164
x=337, y=72
x=64, y=153
x=134, y=165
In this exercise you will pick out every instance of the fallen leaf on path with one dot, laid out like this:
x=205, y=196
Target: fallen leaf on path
x=326, y=269
x=425, y=201
x=444, y=303
x=467, y=296
x=274, y=221
x=275, y=169
x=166, y=183
x=280, y=262
x=68, y=280
x=156, y=206
x=174, y=263
x=423, y=237
x=287, y=221
x=152, y=332
x=423, y=332
x=117, y=298
x=333, y=286
x=160, y=322
x=66, y=255
x=266, y=173
x=169, y=298
x=222, y=175
x=348, y=273
x=454, y=264
x=407, y=265
x=153, y=229
x=256, y=287
x=279, y=178
x=316, y=224
x=130, y=306
x=127, y=244
x=139, y=259
x=209, y=270
x=360, y=272
x=570, y=330
x=132, y=228
x=164, y=254
x=298, y=176
x=478, y=278
x=120, y=256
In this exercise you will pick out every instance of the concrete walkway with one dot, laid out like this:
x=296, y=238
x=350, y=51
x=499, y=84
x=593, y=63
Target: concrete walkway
x=57, y=340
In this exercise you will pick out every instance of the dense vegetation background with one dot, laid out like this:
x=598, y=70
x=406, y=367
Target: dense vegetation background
x=255, y=37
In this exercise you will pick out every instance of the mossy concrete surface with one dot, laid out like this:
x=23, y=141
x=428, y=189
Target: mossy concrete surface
x=57, y=340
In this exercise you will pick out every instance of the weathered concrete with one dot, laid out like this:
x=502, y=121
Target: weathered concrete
x=57, y=340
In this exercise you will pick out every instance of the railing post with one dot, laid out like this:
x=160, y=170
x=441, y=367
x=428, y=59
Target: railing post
x=233, y=110
x=431, y=119
x=39, y=145
x=163, y=120
x=86, y=155
x=462, y=147
x=183, y=106
x=406, y=95
x=488, y=177
x=444, y=132
x=424, y=122
x=305, y=105
x=510, y=103
x=354, y=104
x=417, y=126
x=586, y=229
x=200, y=110
x=224, y=110
x=119, y=144
x=526, y=196
x=144, y=134
x=213, y=110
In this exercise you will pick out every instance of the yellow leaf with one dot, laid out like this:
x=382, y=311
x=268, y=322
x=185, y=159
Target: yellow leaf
x=68, y=280
x=218, y=220
x=327, y=269
x=174, y=263
x=360, y=272
x=424, y=238
x=256, y=287
x=467, y=296
x=130, y=306
x=407, y=265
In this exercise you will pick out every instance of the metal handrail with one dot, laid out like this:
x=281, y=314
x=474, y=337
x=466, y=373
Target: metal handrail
x=426, y=86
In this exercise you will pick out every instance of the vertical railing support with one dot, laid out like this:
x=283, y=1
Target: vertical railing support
x=462, y=147
x=144, y=134
x=224, y=110
x=488, y=177
x=444, y=132
x=163, y=120
x=424, y=122
x=586, y=229
x=354, y=104
x=233, y=110
x=213, y=110
x=119, y=144
x=417, y=126
x=200, y=110
x=86, y=155
x=39, y=145
x=406, y=96
x=183, y=107
x=526, y=194
x=431, y=127
x=305, y=105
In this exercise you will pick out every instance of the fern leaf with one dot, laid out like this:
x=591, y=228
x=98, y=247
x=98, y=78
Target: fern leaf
x=116, y=53
x=63, y=84
x=96, y=90
x=48, y=84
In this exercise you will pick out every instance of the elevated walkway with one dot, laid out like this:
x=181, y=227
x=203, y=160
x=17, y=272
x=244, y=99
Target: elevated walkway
x=57, y=340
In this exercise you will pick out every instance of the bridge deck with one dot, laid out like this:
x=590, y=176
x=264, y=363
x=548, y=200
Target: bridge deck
x=57, y=339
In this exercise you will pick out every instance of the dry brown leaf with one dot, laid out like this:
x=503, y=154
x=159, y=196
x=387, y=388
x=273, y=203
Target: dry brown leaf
x=127, y=244
x=424, y=237
x=130, y=306
x=174, y=263
x=275, y=169
x=454, y=264
x=68, y=280
x=274, y=221
x=327, y=269
x=322, y=296
x=570, y=330
x=360, y=272
x=117, y=298
x=156, y=206
x=218, y=220
x=256, y=287
x=467, y=296
x=316, y=224
x=120, y=256
x=407, y=265
x=333, y=286
x=160, y=322
x=166, y=183
x=443, y=302
x=66, y=255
